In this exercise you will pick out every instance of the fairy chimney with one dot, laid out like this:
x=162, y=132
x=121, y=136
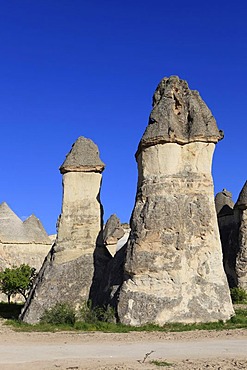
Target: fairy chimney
x=173, y=266
x=67, y=273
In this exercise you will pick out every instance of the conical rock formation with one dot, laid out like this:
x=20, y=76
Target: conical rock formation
x=173, y=266
x=21, y=242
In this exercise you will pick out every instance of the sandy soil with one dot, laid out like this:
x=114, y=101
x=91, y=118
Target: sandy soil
x=225, y=350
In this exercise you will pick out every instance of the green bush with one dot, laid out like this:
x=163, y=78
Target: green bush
x=238, y=295
x=92, y=315
x=61, y=313
x=64, y=314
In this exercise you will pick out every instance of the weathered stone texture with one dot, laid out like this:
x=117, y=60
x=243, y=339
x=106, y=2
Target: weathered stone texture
x=113, y=231
x=241, y=259
x=224, y=203
x=84, y=156
x=68, y=270
x=21, y=242
x=233, y=233
x=179, y=115
x=14, y=231
x=242, y=199
x=228, y=221
x=173, y=267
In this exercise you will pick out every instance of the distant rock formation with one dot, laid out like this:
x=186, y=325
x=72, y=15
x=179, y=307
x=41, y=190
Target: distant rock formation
x=173, y=267
x=67, y=273
x=229, y=228
x=224, y=203
x=232, y=220
x=113, y=231
x=241, y=260
x=21, y=242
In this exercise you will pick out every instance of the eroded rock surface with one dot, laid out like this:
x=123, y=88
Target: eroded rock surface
x=179, y=115
x=228, y=221
x=67, y=273
x=224, y=203
x=232, y=220
x=113, y=231
x=21, y=242
x=173, y=267
x=241, y=260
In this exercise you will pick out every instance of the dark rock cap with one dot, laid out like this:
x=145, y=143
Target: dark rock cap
x=224, y=203
x=113, y=230
x=242, y=199
x=179, y=115
x=83, y=157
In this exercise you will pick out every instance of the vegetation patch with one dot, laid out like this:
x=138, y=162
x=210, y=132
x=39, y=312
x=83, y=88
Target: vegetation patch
x=17, y=280
x=161, y=363
x=60, y=314
x=238, y=295
x=62, y=317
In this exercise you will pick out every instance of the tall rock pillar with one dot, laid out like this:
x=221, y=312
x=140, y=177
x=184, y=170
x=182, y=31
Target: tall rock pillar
x=173, y=266
x=241, y=258
x=67, y=273
x=228, y=221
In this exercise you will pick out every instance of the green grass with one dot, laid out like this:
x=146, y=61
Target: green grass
x=238, y=295
x=160, y=363
x=12, y=311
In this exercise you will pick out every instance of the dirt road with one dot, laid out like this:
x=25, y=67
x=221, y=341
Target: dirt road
x=225, y=350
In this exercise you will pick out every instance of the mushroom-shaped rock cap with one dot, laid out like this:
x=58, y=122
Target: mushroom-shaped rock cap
x=179, y=115
x=83, y=157
x=242, y=199
x=224, y=203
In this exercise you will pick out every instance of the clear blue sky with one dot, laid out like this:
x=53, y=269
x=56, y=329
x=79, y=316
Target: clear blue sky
x=73, y=67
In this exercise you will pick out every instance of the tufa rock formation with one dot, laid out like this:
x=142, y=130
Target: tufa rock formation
x=112, y=233
x=173, y=267
x=228, y=227
x=21, y=242
x=67, y=273
x=224, y=203
x=241, y=259
x=232, y=220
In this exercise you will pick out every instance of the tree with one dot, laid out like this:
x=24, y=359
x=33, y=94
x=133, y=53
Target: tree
x=17, y=280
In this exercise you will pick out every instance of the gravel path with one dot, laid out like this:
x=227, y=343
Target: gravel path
x=225, y=350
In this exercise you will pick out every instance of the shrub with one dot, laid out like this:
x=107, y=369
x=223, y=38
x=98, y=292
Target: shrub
x=61, y=313
x=92, y=315
x=238, y=295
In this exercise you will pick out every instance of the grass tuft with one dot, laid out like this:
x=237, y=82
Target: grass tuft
x=161, y=363
x=238, y=295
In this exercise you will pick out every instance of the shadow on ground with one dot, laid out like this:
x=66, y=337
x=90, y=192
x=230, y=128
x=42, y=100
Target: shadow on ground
x=10, y=311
